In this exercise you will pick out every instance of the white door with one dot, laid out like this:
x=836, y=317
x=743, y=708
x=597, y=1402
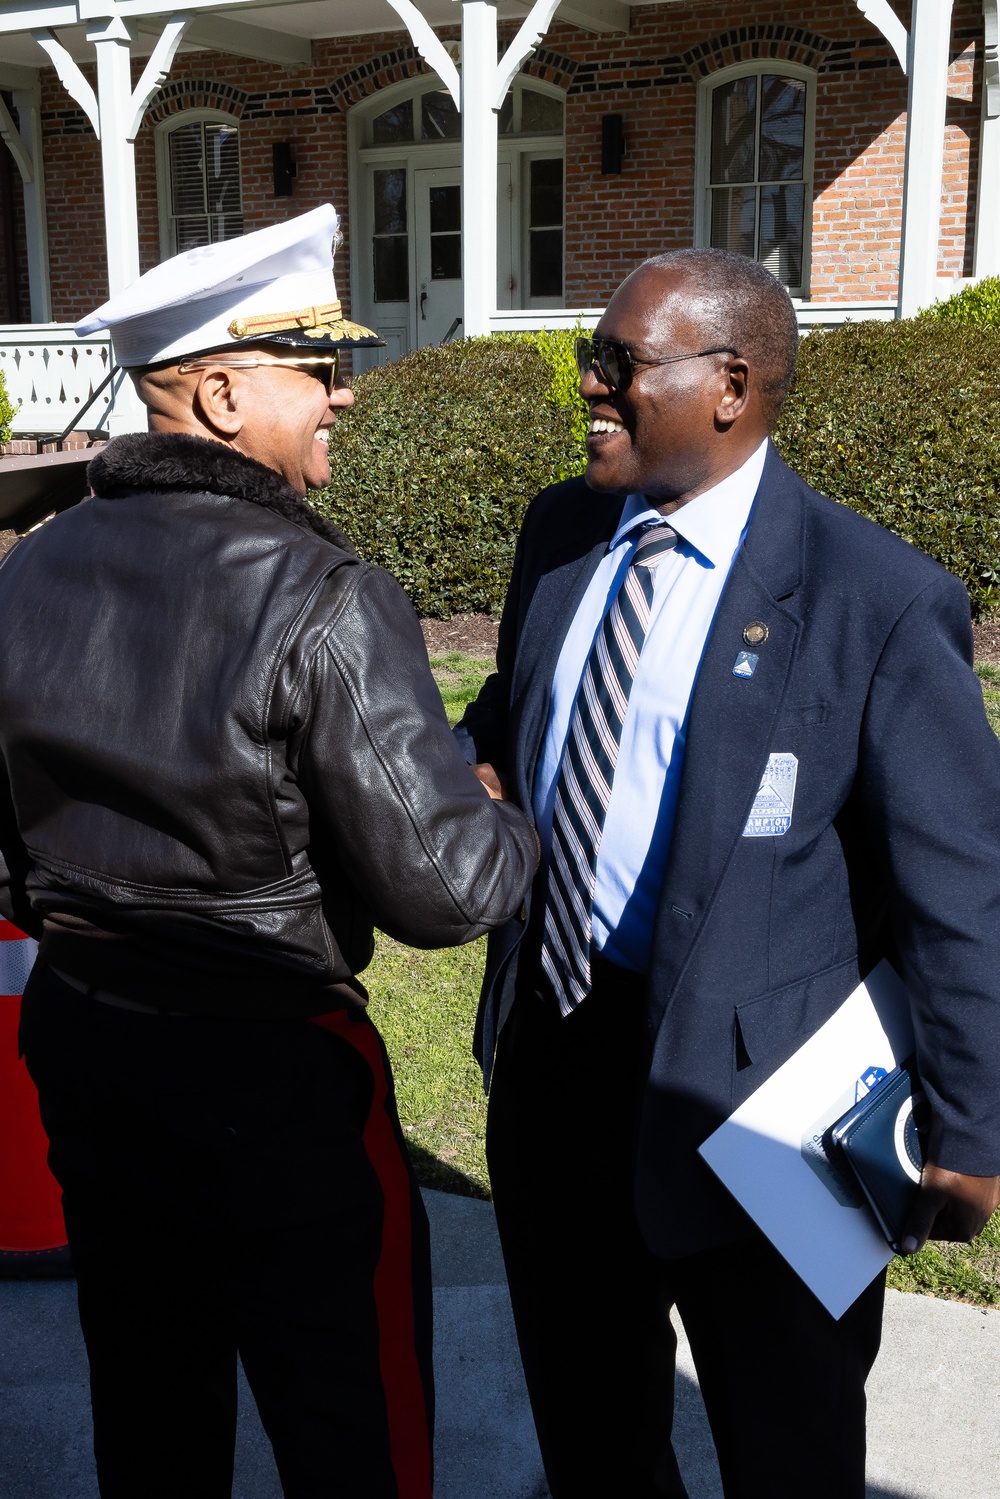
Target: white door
x=413, y=269
x=437, y=203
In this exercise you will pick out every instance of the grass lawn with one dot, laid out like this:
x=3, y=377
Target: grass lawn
x=425, y=1005
x=989, y=675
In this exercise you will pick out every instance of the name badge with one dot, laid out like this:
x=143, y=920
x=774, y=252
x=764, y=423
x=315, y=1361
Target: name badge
x=771, y=813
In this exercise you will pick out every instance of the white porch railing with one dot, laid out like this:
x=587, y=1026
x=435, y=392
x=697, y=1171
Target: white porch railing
x=527, y=321
x=53, y=374
x=834, y=314
x=810, y=315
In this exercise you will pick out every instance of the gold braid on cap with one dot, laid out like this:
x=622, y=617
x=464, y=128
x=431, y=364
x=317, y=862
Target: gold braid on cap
x=280, y=322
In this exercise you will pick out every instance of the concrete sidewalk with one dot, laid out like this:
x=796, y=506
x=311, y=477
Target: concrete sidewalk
x=934, y=1395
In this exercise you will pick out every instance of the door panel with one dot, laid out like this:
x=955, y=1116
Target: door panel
x=437, y=204
x=388, y=288
x=413, y=260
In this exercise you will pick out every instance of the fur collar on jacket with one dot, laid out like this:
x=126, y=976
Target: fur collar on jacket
x=144, y=461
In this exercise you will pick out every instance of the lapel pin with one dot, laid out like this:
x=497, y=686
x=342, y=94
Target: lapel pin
x=755, y=633
x=746, y=664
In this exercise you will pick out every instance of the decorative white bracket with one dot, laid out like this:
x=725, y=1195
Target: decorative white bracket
x=11, y=135
x=154, y=73
x=436, y=55
x=430, y=47
x=156, y=69
x=885, y=19
x=71, y=77
x=991, y=61
x=533, y=28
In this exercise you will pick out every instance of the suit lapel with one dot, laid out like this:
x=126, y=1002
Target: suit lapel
x=554, y=602
x=730, y=723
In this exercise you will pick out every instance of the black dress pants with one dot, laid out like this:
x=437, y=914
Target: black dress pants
x=783, y=1382
x=238, y=1187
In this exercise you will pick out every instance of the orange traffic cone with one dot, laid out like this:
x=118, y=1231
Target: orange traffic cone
x=32, y=1233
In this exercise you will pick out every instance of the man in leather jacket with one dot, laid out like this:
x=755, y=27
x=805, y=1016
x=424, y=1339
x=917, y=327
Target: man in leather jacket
x=223, y=760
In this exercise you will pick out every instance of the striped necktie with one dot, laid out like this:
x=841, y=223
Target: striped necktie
x=583, y=789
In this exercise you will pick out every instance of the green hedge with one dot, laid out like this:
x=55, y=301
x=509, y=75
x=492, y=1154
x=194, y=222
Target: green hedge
x=434, y=466
x=979, y=304
x=901, y=421
x=7, y=411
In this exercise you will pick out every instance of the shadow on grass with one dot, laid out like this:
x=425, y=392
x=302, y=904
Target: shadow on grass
x=437, y=1174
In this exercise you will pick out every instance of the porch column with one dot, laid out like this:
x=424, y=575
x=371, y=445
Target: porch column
x=930, y=38
x=27, y=103
x=987, y=252
x=479, y=165
x=112, y=45
x=116, y=113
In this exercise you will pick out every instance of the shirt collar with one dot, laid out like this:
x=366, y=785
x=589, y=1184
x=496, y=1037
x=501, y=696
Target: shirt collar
x=711, y=524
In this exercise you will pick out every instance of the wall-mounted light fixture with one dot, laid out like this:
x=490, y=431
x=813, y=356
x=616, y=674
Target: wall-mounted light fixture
x=612, y=144
x=284, y=168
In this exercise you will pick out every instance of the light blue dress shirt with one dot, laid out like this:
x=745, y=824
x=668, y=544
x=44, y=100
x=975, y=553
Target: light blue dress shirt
x=687, y=586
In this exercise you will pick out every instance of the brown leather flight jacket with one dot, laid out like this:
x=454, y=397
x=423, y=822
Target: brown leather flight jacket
x=223, y=757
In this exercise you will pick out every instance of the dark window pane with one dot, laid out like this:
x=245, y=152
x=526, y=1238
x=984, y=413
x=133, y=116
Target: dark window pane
x=540, y=112
x=205, y=196
x=394, y=125
x=545, y=206
x=505, y=123
x=734, y=125
x=439, y=119
x=733, y=211
x=392, y=269
x=390, y=201
x=781, y=215
x=222, y=151
x=446, y=209
x=446, y=257
x=189, y=233
x=545, y=262
x=187, y=170
x=782, y=129
x=227, y=226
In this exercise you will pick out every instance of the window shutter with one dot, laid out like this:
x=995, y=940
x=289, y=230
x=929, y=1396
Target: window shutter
x=205, y=193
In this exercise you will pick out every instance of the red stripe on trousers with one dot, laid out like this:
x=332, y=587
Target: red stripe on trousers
x=409, y=1438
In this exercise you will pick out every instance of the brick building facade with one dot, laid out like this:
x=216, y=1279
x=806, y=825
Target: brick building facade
x=659, y=77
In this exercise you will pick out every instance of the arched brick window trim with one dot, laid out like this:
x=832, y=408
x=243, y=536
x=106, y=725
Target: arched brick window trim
x=386, y=68
x=551, y=67
x=369, y=77
x=745, y=44
x=195, y=93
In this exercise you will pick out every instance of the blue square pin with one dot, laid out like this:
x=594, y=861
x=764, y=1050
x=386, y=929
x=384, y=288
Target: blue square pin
x=746, y=664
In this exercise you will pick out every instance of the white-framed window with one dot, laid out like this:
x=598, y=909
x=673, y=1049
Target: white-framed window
x=423, y=112
x=756, y=128
x=199, y=189
x=405, y=196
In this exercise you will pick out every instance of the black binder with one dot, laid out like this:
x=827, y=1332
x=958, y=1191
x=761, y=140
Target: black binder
x=879, y=1145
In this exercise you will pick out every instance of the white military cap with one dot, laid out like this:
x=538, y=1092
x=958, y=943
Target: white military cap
x=275, y=285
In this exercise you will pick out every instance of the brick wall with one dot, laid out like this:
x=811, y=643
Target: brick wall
x=650, y=77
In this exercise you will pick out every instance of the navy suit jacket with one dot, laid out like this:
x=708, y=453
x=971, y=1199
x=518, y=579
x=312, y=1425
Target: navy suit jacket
x=893, y=849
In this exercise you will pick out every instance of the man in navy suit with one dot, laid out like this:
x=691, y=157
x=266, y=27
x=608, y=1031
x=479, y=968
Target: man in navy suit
x=758, y=761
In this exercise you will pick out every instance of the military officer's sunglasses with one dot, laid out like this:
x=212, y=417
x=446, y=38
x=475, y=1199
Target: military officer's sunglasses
x=325, y=367
x=617, y=363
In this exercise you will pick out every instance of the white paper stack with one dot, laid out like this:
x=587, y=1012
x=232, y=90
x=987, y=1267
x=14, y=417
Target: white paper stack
x=767, y=1153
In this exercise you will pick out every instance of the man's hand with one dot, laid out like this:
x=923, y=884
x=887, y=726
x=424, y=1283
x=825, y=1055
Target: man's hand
x=495, y=784
x=950, y=1206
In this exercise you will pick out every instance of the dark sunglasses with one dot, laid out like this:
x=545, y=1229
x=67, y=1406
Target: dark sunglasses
x=325, y=367
x=617, y=363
